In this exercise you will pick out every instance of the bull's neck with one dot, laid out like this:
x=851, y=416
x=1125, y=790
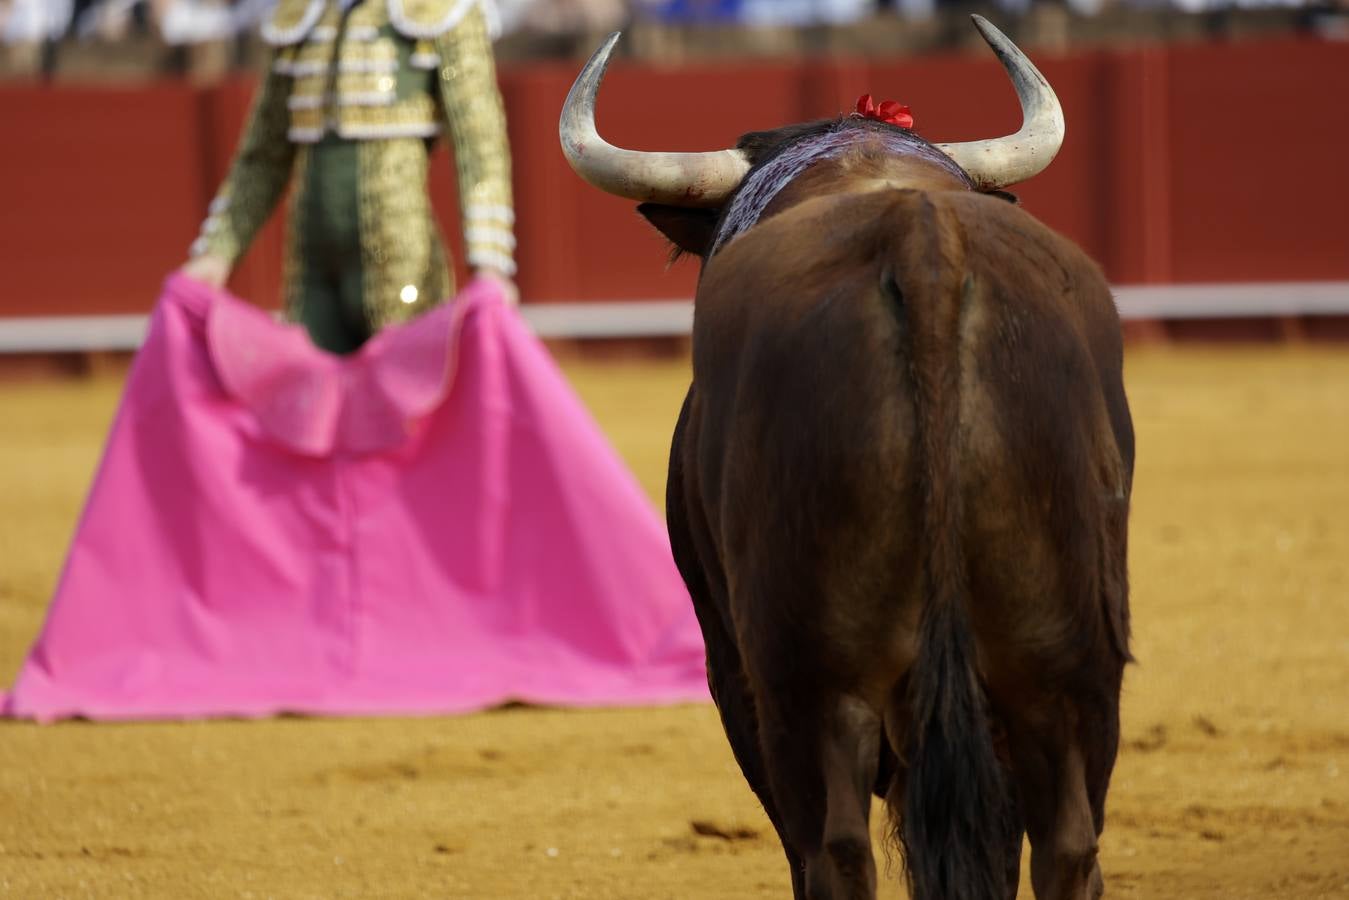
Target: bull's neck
x=763, y=185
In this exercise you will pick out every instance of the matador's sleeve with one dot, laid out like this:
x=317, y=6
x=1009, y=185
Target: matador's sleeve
x=477, y=121
x=257, y=177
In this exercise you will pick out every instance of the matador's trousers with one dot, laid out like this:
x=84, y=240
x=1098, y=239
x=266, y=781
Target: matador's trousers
x=363, y=249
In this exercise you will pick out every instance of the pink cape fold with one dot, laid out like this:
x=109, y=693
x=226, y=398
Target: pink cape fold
x=432, y=525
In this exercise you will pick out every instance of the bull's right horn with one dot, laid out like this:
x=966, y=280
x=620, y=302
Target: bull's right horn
x=676, y=179
x=1004, y=161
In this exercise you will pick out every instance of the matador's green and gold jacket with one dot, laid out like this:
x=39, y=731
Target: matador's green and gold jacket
x=355, y=95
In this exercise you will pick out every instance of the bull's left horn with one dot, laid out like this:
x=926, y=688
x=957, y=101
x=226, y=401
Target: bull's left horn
x=1004, y=161
x=677, y=179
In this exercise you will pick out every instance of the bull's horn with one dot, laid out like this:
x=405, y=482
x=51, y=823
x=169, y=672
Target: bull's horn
x=678, y=179
x=1003, y=161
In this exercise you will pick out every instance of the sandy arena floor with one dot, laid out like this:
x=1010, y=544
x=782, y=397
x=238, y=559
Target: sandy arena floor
x=1233, y=781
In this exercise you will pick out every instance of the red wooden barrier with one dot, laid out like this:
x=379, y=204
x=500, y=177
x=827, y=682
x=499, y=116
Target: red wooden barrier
x=1186, y=163
x=99, y=190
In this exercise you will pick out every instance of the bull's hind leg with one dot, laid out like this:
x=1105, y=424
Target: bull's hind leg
x=1015, y=835
x=822, y=758
x=1056, y=802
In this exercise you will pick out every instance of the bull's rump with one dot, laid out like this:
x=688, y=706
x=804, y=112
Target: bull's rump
x=807, y=427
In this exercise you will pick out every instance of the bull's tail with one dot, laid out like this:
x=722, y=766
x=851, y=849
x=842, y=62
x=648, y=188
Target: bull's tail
x=949, y=810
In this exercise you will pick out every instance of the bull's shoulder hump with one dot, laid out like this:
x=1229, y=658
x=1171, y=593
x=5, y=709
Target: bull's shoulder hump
x=997, y=215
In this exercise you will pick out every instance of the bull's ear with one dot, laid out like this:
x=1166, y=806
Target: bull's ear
x=1004, y=195
x=691, y=230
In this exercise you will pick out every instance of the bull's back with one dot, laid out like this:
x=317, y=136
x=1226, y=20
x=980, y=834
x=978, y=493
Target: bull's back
x=809, y=439
x=1047, y=456
x=804, y=435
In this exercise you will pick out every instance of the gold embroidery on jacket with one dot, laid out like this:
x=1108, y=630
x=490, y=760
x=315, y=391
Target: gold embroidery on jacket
x=292, y=20
x=257, y=177
x=291, y=112
x=403, y=263
x=293, y=266
x=468, y=90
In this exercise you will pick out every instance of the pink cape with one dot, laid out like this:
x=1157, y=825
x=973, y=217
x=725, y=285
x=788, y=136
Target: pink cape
x=433, y=525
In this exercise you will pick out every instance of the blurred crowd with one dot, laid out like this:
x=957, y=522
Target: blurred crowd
x=194, y=21
x=36, y=34
x=177, y=21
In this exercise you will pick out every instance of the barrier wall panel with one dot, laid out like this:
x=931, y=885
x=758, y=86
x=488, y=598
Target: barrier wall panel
x=1133, y=149
x=1186, y=163
x=547, y=226
x=1259, y=167
x=99, y=192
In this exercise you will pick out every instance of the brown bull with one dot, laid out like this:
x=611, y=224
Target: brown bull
x=899, y=492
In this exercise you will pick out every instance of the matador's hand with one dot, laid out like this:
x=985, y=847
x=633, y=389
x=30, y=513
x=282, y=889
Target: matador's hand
x=502, y=281
x=206, y=268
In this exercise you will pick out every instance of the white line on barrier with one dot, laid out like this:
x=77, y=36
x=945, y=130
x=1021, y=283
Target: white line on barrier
x=663, y=318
